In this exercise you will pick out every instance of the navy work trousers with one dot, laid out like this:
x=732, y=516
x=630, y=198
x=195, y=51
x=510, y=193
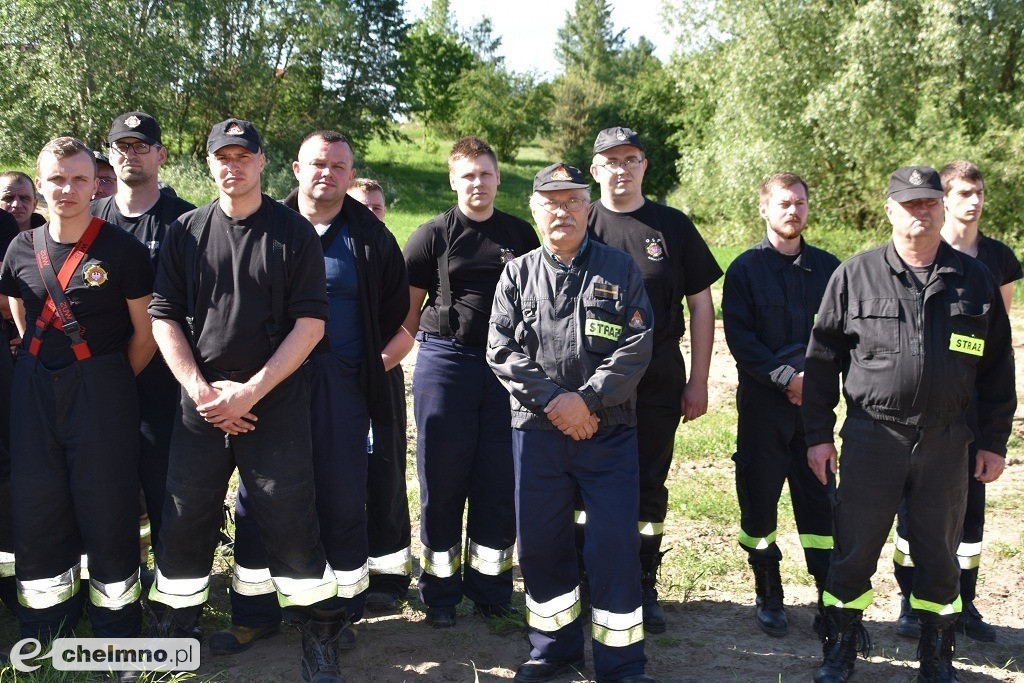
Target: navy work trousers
x=158, y=409
x=463, y=453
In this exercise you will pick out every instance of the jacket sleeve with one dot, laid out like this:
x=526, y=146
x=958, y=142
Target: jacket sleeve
x=997, y=396
x=518, y=372
x=615, y=379
x=394, y=296
x=828, y=354
x=739, y=318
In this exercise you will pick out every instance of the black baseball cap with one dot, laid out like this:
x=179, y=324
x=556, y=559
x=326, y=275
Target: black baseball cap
x=234, y=132
x=915, y=182
x=614, y=137
x=135, y=124
x=101, y=158
x=559, y=177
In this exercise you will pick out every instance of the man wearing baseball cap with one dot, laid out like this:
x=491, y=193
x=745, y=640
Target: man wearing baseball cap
x=240, y=301
x=570, y=337
x=916, y=329
x=676, y=264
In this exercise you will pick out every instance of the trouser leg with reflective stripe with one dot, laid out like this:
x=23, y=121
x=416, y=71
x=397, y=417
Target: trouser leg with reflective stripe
x=253, y=596
x=275, y=464
x=74, y=477
x=388, y=529
x=158, y=406
x=463, y=452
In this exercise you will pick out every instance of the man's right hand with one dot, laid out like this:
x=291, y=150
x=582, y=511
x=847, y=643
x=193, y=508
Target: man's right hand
x=202, y=393
x=821, y=456
x=795, y=389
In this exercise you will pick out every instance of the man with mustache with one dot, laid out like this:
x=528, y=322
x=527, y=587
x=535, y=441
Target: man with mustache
x=570, y=338
x=18, y=197
x=771, y=295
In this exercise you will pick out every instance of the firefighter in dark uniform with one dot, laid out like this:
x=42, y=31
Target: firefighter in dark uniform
x=18, y=197
x=771, y=295
x=8, y=586
x=240, y=301
x=389, y=527
x=79, y=288
x=916, y=329
x=464, y=437
x=964, y=200
x=368, y=293
x=139, y=207
x=676, y=263
x=570, y=338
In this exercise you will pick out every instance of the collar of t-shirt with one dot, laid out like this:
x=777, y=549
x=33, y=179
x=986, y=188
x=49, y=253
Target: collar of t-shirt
x=247, y=222
x=573, y=263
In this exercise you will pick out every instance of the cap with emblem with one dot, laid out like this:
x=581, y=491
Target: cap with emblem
x=614, y=137
x=135, y=124
x=101, y=158
x=559, y=177
x=915, y=182
x=234, y=132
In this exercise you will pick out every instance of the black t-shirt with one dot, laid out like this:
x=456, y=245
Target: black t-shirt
x=672, y=256
x=150, y=228
x=1000, y=259
x=8, y=230
x=234, y=308
x=477, y=254
x=99, y=308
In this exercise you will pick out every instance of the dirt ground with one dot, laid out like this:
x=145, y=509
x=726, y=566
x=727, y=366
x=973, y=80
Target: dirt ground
x=711, y=636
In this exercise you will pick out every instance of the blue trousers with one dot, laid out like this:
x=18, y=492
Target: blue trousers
x=463, y=454
x=340, y=421
x=549, y=466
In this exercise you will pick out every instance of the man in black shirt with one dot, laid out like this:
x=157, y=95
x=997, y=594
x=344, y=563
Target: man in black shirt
x=464, y=441
x=676, y=263
x=140, y=208
x=79, y=288
x=18, y=197
x=240, y=301
x=771, y=295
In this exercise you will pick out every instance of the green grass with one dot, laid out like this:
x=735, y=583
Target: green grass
x=710, y=438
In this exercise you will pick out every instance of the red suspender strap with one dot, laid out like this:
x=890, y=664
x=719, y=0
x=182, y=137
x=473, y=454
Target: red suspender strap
x=57, y=309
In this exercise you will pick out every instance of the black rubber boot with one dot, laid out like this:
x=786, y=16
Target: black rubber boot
x=320, y=630
x=654, y=615
x=935, y=649
x=909, y=624
x=771, y=617
x=844, y=638
x=818, y=625
x=972, y=624
x=167, y=622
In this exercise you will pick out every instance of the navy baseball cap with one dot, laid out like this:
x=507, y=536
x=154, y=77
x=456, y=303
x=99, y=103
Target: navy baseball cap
x=915, y=182
x=135, y=124
x=614, y=137
x=234, y=132
x=559, y=177
x=101, y=158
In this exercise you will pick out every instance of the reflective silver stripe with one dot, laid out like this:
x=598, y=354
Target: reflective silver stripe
x=246, y=581
x=901, y=551
x=555, y=613
x=444, y=563
x=43, y=593
x=489, y=561
x=6, y=564
x=145, y=531
x=902, y=544
x=618, y=629
x=969, y=555
x=396, y=563
x=651, y=528
x=580, y=516
x=305, y=592
x=117, y=594
x=84, y=564
x=352, y=583
x=180, y=593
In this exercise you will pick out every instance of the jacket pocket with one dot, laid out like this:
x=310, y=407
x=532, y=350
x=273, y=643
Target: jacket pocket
x=602, y=325
x=876, y=322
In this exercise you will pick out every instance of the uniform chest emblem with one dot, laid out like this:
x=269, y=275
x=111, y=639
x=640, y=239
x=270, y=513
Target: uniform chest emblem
x=637, y=321
x=95, y=276
x=506, y=255
x=655, y=249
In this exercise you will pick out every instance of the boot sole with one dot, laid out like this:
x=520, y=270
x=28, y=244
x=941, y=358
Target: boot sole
x=773, y=632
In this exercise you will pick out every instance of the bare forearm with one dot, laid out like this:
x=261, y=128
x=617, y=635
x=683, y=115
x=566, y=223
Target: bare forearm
x=397, y=348
x=295, y=348
x=702, y=335
x=177, y=353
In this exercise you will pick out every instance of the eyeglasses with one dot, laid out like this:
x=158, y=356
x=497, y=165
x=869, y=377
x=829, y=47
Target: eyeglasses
x=571, y=205
x=107, y=181
x=628, y=164
x=139, y=148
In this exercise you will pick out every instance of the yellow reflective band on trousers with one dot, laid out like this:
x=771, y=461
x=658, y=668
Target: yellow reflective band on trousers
x=901, y=551
x=6, y=564
x=756, y=543
x=251, y=582
x=616, y=629
x=306, y=592
x=117, y=594
x=489, y=561
x=442, y=563
x=399, y=563
x=579, y=516
x=861, y=602
x=816, y=542
x=43, y=593
x=555, y=613
x=178, y=593
x=937, y=608
x=969, y=555
x=352, y=583
x=651, y=528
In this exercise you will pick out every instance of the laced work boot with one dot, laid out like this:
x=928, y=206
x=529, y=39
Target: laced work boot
x=909, y=624
x=167, y=622
x=935, y=649
x=320, y=634
x=972, y=624
x=654, y=615
x=844, y=638
x=771, y=617
x=819, y=617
